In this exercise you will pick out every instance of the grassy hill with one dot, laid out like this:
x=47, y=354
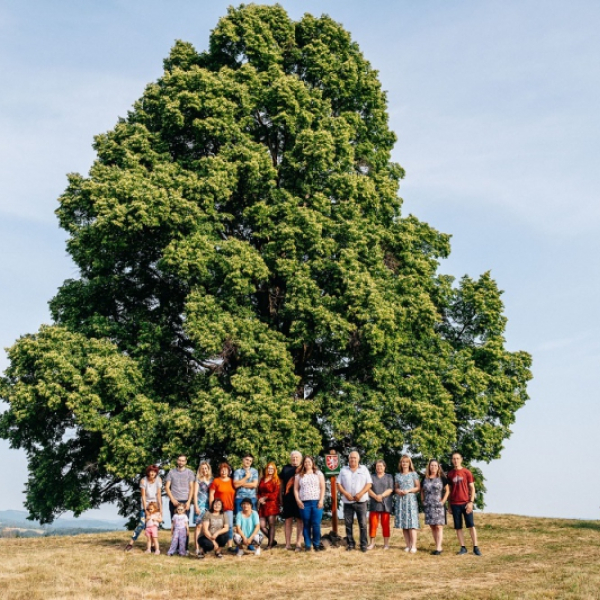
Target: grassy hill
x=523, y=557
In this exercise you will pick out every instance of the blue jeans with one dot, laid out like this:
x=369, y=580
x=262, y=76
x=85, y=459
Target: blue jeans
x=141, y=525
x=311, y=520
x=238, y=504
x=229, y=515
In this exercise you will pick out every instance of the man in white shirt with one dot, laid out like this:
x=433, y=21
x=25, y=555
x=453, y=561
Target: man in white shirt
x=354, y=483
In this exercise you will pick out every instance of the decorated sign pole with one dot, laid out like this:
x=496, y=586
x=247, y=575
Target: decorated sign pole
x=332, y=470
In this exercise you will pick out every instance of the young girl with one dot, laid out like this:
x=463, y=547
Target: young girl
x=153, y=518
x=180, y=530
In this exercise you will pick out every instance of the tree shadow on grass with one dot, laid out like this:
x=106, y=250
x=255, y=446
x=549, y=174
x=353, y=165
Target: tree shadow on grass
x=594, y=525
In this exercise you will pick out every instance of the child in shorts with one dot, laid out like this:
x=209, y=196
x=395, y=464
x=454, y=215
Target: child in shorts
x=153, y=519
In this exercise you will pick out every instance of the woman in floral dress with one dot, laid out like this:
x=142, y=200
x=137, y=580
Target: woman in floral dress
x=203, y=480
x=434, y=493
x=407, y=487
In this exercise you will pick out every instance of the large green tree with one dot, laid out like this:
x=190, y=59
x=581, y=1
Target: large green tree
x=247, y=283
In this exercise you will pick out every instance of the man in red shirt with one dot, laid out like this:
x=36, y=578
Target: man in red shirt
x=462, y=496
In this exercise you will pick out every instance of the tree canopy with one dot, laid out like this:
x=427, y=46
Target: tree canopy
x=247, y=283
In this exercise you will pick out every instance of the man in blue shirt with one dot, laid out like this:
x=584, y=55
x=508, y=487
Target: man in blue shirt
x=245, y=482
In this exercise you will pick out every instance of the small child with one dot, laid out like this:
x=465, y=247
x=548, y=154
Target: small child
x=153, y=518
x=180, y=530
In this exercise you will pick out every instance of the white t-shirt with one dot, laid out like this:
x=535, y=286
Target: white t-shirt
x=152, y=490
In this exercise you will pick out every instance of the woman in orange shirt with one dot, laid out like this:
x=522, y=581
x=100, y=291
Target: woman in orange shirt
x=222, y=489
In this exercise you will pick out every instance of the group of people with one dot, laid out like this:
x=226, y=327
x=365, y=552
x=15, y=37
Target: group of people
x=238, y=509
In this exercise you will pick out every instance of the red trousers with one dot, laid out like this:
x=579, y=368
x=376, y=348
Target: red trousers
x=374, y=523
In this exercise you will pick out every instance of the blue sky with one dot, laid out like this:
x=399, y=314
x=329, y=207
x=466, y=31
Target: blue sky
x=495, y=105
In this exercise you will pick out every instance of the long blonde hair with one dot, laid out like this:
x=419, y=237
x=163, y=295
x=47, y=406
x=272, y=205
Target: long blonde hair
x=210, y=474
x=410, y=462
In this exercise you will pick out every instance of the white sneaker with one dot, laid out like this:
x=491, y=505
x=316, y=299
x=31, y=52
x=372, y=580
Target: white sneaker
x=370, y=546
x=413, y=550
x=257, y=551
x=386, y=547
x=407, y=549
x=240, y=552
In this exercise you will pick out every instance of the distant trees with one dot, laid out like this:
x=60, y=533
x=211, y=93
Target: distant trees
x=247, y=283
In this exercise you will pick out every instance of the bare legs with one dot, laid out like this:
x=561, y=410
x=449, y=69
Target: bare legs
x=438, y=536
x=152, y=542
x=461, y=536
x=198, y=531
x=410, y=539
x=289, y=525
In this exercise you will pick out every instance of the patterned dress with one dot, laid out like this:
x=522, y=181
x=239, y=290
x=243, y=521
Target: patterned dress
x=202, y=499
x=433, y=490
x=406, y=514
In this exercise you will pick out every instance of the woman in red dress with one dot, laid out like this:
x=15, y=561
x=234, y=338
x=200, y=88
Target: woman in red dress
x=268, y=502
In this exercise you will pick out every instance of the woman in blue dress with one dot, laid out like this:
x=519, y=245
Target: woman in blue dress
x=407, y=487
x=204, y=478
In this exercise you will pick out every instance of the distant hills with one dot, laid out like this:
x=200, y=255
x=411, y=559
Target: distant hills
x=14, y=523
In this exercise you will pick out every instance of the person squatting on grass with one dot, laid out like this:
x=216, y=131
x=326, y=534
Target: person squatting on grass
x=214, y=530
x=153, y=520
x=180, y=531
x=247, y=529
x=380, y=506
x=434, y=493
x=462, y=497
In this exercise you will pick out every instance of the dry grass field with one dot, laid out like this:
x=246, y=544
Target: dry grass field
x=523, y=557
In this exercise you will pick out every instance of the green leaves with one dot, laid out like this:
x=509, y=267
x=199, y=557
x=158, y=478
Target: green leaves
x=248, y=283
